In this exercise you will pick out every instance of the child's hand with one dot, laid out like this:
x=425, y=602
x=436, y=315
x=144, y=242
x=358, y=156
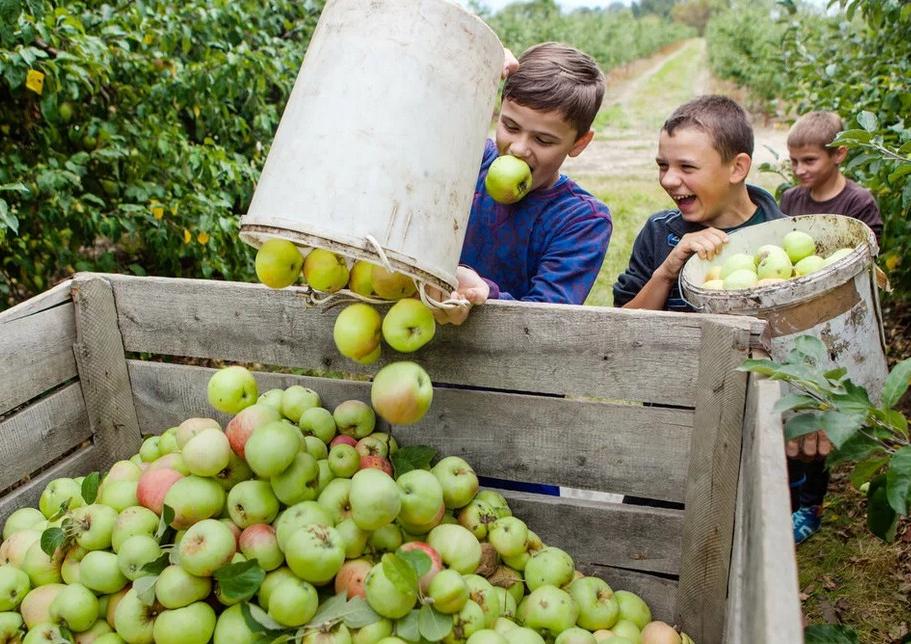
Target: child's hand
x=471, y=290
x=705, y=243
x=510, y=64
x=809, y=447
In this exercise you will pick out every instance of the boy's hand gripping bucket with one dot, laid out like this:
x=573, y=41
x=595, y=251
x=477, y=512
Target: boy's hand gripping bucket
x=377, y=153
x=839, y=304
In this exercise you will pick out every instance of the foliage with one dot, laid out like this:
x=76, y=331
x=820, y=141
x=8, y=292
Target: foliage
x=144, y=143
x=695, y=13
x=873, y=437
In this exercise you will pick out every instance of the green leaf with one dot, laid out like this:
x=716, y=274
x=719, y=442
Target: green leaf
x=856, y=448
x=51, y=539
x=894, y=418
x=359, y=613
x=241, y=580
x=408, y=627
x=167, y=516
x=867, y=470
x=90, y=487
x=840, y=427
x=258, y=620
x=399, y=573
x=801, y=425
x=852, y=136
x=898, y=480
x=795, y=401
x=8, y=219
x=812, y=350
x=155, y=567
x=432, y=624
x=413, y=457
x=417, y=559
x=896, y=384
x=330, y=611
x=762, y=367
x=63, y=509
x=836, y=374
x=868, y=121
x=829, y=634
x=882, y=520
x=145, y=589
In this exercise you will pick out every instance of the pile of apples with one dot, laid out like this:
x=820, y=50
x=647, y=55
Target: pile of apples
x=294, y=523
x=771, y=264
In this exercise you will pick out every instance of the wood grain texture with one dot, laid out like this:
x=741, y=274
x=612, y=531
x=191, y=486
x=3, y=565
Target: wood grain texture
x=712, y=483
x=42, y=432
x=103, y=370
x=36, y=354
x=50, y=299
x=763, y=602
x=608, y=353
x=609, y=447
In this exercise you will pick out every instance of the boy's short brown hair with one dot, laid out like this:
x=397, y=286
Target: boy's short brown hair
x=557, y=77
x=815, y=128
x=721, y=118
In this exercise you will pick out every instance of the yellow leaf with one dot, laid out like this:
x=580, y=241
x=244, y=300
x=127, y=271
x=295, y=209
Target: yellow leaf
x=187, y=237
x=893, y=261
x=196, y=111
x=157, y=212
x=203, y=238
x=148, y=39
x=34, y=80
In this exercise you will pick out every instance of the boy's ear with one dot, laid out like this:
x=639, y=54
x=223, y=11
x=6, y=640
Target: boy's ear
x=581, y=143
x=740, y=167
x=839, y=154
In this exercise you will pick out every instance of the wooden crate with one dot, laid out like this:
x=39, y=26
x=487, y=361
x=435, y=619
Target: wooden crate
x=632, y=402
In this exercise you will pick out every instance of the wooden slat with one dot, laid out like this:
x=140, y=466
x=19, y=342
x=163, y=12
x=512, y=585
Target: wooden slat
x=51, y=298
x=36, y=354
x=618, y=448
x=103, y=370
x=548, y=348
x=80, y=463
x=712, y=483
x=763, y=603
x=42, y=432
x=659, y=593
x=604, y=534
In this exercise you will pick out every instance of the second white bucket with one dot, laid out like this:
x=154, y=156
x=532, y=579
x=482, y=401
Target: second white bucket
x=382, y=136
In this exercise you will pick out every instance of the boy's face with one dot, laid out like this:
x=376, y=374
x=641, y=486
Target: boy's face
x=815, y=166
x=695, y=176
x=542, y=139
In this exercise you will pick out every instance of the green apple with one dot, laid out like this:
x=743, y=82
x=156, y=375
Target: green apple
x=551, y=609
x=75, y=606
x=798, y=244
x=135, y=553
x=96, y=631
x=464, y=623
x=13, y=549
x=315, y=553
x=598, y=608
x=119, y=495
x=508, y=179
x=14, y=586
x=482, y=592
x=207, y=453
x=773, y=263
x=149, y=450
x=177, y=588
x=507, y=603
x=35, y=608
x=298, y=516
x=375, y=499
x=296, y=400
x=21, y=519
x=386, y=539
x=316, y=448
x=194, y=498
x=297, y=482
x=401, y=393
x=11, y=626
x=448, y=591
x=134, y=620
x=272, y=398
x=523, y=635
x=809, y=264
x=458, y=480
x=740, y=279
x=626, y=631
x=100, y=572
x=391, y=285
x=632, y=608
x=232, y=628
x=422, y=499
x=549, y=566
x=486, y=636
x=373, y=633
x=40, y=568
x=252, y=502
x=354, y=418
x=232, y=389
x=477, y=516
x=167, y=444
x=318, y=421
x=271, y=582
x=59, y=492
x=207, y=546
x=575, y=635
x=737, y=262
x=69, y=569
x=507, y=536
x=193, y=624
x=272, y=447
x=192, y=426
x=714, y=285
x=357, y=331
x=278, y=263
x=458, y=548
x=45, y=633
x=360, y=280
x=408, y=325
x=325, y=271
x=293, y=602
x=344, y=461
x=235, y=472
x=385, y=597
x=243, y=424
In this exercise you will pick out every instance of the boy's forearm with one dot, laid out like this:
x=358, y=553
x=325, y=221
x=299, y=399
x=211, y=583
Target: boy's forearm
x=654, y=294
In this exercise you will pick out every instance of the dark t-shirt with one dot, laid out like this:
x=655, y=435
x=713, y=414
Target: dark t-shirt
x=853, y=201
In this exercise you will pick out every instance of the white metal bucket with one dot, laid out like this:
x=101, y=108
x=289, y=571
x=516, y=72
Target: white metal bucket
x=838, y=304
x=382, y=136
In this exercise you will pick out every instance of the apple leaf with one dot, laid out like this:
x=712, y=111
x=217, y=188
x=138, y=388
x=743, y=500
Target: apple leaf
x=802, y=424
x=241, y=580
x=155, y=567
x=808, y=348
x=90, y=487
x=417, y=559
x=835, y=374
x=882, y=520
x=408, y=627
x=145, y=589
x=167, y=516
x=432, y=624
x=51, y=539
x=896, y=384
x=64, y=507
x=413, y=457
x=332, y=610
x=66, y=636
x=829, y=634
x=359, y=613
x=840, y=427
x=399, y=573
x=762, y=367
x=898, y=480
x=258, y=620
x=794, y=401
x=867, y=469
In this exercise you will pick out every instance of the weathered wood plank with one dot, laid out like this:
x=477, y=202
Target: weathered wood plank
x=102, y=368
x=51, y=298
x=38, y=434
x=763, y=603
x=36, y=354
x=80, y=463
x=619, y=448
x=604, y=534
x=711, y=488
x=549, y=348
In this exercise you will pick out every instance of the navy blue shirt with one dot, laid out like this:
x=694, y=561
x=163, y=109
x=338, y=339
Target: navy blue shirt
x=548, y=247
x=661, y=234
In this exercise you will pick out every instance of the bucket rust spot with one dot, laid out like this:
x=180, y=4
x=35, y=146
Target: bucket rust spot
x=807, y=315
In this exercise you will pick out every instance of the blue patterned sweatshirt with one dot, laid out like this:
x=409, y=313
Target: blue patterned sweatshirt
x=548, y=247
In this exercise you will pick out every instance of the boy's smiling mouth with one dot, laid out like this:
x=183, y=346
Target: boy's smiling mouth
x=684, y=200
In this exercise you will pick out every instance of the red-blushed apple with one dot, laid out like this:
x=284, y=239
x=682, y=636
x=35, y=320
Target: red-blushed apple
x=278, y=263
x=458, y=480
x=374, y=498
x=315, y=553
x=194, y=498
x=551, y=609
x=207, y=453
x=232, y=389
x=385, y=597
x=401, y=393
x=508, y=179
x=318, y=421
x=354, y=418
x=252, y=502
x=153, y=486
x=350, y=577
x=233, y=527
x=357, y=332
x=377, y=463
x=448, y=591
x=293, y=602
x=436, y=563
x=192, y=426
x=272, y=447
x=390, y=285
x=207, y=546
x=13, y=549
x=408, y=325
x=660, y=633
x=242, y=425
x=342, y=439
x=259, y=542
x=100, y=572
x=459, y=549
x=176, y=588
x=325, y=271
x=35, y=607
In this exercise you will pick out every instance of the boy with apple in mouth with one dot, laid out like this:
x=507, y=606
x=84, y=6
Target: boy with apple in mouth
x=704, y=156
x=549, y=245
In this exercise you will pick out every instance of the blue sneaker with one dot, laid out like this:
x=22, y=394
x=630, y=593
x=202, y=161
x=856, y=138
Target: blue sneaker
x=805, y=521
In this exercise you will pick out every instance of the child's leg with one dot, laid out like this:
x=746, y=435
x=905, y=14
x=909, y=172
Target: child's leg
x=797, y=476
x=813, y=491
